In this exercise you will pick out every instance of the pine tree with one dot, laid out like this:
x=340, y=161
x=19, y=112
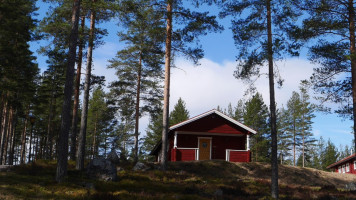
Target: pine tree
x=330, y=155
x=65, y=123
x=260, y=31
x=332, y=25
x=187, y=27
x=256, y=117
x=138, y=65
x=306, y=116
x=293, y=125
x=18, y=72
x=179, y=113
x=101, y=122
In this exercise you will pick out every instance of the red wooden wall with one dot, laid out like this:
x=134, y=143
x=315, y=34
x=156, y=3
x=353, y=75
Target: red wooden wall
x=240, y=156
x=352, y=170
x=218, y=147
x=212, y=124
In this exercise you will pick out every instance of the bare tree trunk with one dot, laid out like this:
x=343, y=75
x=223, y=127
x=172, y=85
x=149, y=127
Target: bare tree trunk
x=137, y=114
x=303, y=150
x=84, y=117
x=274, y=160
x=73, y=146
x=294, y=141
x=8, y=135
x=62, y=163
x=36, y=151
x=12, y=138
x=167, y=85
x=3, y=130
x=23, y=138
x=30, y=148
x=94, y=135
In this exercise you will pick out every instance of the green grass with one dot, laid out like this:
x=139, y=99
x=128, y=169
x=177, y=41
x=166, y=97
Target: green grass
x=190, y=180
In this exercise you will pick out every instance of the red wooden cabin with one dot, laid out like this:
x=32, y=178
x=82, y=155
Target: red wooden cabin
x=346, y=165
x=211, y=135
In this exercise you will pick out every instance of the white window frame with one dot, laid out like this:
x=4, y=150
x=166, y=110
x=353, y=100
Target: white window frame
x=354, y=164
x=339, y=170
x=347, y=167
x=343, y=169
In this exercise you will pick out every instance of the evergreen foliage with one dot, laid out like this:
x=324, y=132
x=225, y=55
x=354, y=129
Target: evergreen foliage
x=256, y=117
x=179, y=113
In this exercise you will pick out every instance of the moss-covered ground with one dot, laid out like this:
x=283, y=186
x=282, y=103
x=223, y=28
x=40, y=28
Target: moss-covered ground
x=189, y=180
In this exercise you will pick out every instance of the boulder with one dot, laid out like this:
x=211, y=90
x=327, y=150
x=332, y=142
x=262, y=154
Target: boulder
x=140, y=167
x=350, y=186
x=102, y=169
x=113, y=157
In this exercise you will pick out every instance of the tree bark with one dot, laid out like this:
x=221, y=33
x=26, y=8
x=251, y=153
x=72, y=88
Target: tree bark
x=8, y=135
x=167, y=85
x=84, y=117
x=94, y=135
x=12, y=138
x=73, y=146
x=3, y=130
x=351, y=19
x=30, y=147
x=23, y=138
x=137, y=114
x=62, y=163
x=274, y=160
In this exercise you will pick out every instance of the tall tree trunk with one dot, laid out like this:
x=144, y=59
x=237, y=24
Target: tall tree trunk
x=36, y=151
x=94, y=135
x=303, y=150
x=23, y=138
x=84, y=117
x=294, y=142
x=50, y=134
x=3, y=129
x=167, y=85
x=351, y=19
x=30, y=147
x=137, y=114
x=12, y=138
x=274, y=160
x=62, y=163
x=73, y=146
x=8, y=135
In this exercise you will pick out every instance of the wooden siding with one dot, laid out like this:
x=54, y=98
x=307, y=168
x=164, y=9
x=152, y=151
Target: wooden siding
x=219, y=145
x=240, y=156
x=351, y=163
x=212, y=124
x=185, y=154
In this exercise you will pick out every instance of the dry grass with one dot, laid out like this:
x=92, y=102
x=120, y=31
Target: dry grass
x=182, y=180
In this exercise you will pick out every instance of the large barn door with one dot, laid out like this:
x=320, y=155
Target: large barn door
x=204, y=148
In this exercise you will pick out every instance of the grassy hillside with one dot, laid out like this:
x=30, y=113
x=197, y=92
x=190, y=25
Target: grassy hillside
x=183, y=180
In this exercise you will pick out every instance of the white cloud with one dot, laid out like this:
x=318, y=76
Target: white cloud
x=211, y=84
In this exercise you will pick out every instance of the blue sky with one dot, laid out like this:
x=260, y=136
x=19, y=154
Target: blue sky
x=212, y=83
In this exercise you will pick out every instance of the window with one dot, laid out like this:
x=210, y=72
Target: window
x=355, y=164
x=343, y=168
x=339, y=170
x=347, y=167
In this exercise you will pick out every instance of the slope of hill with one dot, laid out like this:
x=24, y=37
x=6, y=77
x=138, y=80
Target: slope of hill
x=182, y=180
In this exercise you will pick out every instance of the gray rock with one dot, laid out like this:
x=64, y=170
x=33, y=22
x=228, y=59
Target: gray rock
x=218, y=193
x=102, y=169
x=140, y=167
x=113, y=157
x=350, y=186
